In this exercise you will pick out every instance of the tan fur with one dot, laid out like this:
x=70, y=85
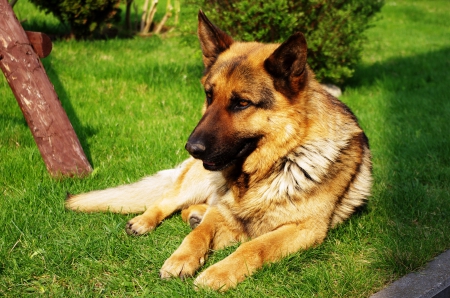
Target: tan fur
x=288, y=161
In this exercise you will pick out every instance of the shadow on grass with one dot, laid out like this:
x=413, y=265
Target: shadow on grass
x=53, y=30
x=412, y=159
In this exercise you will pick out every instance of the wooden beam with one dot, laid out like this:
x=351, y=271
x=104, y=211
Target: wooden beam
x=46, y=118
x=41, y=43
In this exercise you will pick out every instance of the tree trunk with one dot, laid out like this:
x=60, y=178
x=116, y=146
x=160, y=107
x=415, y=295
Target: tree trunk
x=46, y=118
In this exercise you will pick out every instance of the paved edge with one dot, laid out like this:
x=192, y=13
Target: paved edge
x=431, y=282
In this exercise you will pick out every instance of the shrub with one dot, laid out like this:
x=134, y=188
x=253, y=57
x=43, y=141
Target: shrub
x=333, y=28
x=84, y=17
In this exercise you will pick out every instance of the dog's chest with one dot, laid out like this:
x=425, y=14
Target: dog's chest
x=262, y=209
x=285, y=194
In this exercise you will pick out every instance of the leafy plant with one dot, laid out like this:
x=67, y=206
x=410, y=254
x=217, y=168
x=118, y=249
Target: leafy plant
x=333, y=28
x=84, y=17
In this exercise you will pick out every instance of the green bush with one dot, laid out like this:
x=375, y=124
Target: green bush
x=84, y=17
x=333, y=28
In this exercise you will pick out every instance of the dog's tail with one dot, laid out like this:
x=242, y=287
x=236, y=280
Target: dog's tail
x=130, y=198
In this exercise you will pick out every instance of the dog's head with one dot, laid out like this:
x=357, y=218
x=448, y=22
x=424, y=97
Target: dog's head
x=244, y=84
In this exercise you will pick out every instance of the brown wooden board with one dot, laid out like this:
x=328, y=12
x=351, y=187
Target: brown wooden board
x=46, y=118
x=40, y=42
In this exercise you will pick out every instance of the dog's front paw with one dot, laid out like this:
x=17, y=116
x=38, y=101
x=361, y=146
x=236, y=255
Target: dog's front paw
x=181, y=265
x=219, y=278
x=139, y=225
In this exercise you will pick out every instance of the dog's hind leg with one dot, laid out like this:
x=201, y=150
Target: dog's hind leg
x=194, y=186
x=135, y=197
x=158, y=196
x=193, y=215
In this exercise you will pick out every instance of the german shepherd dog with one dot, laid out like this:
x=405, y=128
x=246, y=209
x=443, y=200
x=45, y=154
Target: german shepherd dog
x=276, y=162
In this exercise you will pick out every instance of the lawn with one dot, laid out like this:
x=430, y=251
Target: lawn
x=133, y=103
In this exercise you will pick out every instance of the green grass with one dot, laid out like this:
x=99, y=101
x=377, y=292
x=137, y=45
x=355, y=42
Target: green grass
x=133, y=103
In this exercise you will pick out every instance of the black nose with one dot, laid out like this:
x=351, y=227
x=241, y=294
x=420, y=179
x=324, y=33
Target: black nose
x=195, y=149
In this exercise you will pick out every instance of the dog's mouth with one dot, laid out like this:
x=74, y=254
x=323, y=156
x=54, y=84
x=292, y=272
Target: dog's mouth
x=212, y=166
x=220, y=164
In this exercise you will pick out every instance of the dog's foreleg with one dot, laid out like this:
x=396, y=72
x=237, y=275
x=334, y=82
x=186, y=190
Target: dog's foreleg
x=267, y=248
x=212, y=232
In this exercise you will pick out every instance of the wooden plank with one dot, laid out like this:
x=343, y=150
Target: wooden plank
x=41, y=43
x=46, y=118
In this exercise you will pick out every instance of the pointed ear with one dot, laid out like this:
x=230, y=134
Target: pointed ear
x=213, y=41
x=287, y=65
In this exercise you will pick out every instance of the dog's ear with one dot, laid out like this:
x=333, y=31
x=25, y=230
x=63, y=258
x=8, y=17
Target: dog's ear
x=213, y=41
x=287, y=65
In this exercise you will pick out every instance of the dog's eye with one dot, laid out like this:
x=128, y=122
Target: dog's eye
x=243, y=103
x=240, y=104
x=209, y=97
